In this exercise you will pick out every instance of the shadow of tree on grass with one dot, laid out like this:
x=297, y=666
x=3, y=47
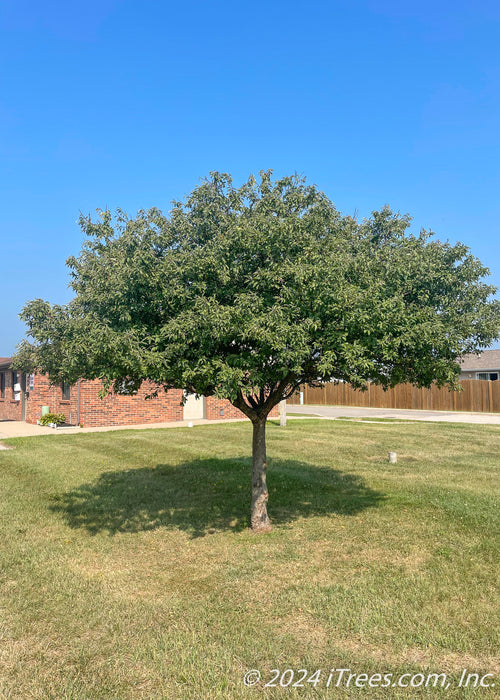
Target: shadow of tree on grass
x=208, y=494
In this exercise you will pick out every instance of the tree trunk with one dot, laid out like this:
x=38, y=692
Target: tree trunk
x=260, y=519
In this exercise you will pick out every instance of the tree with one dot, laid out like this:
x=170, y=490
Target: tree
x=246, y=293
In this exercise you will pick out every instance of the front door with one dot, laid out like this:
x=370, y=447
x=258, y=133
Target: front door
x=194, y=408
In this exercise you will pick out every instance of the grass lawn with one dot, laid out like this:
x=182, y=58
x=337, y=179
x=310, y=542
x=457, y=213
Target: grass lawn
x=127, y=569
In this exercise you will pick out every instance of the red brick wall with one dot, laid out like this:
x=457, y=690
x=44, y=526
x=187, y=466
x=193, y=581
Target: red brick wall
x=112, y=410
x=275, y=412
x=9, y=409
x=43, y=394
x=214, y=407
x=128, y=410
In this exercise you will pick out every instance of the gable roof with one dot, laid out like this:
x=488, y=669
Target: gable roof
x=5, y=361
x=488, y=359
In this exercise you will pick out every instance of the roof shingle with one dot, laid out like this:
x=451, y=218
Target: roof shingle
x=489, y=359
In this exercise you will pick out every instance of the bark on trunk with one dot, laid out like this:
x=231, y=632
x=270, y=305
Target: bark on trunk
x=260, y=519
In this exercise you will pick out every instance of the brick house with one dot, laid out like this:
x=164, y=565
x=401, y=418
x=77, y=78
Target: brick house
x=22, y=397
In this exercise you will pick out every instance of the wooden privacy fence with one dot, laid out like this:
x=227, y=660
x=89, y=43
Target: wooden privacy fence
x=477, y=395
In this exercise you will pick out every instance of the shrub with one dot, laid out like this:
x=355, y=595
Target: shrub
x=56, y=418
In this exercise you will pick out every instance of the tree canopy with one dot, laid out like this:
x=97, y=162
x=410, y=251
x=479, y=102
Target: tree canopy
x=247, y=292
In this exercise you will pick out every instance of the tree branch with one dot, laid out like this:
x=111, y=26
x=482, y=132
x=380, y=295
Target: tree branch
x=277, y=394
x=252, y=401
x=242, y=405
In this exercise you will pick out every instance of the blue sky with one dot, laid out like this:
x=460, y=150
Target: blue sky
x=120, y=103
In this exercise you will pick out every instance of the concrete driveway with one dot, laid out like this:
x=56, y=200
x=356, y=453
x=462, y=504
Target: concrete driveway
x=332, y=412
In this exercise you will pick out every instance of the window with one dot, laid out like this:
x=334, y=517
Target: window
x=66, y=391
x=492, y=376
x=2, y=385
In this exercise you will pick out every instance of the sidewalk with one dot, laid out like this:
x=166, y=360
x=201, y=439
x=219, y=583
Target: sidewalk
x=333, y=412
x=13, y=429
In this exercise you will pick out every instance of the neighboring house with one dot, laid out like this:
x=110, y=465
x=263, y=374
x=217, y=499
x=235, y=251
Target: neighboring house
x=22, y=397
x=486, y=365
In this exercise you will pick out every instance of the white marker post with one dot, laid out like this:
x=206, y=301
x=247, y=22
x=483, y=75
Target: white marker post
x=282, y=409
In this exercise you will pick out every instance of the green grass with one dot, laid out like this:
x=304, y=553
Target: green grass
x=127, y=569
x=376, y=419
